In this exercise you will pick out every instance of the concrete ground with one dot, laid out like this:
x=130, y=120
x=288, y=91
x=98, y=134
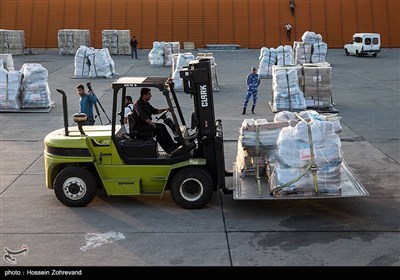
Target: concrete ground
x=149, y=231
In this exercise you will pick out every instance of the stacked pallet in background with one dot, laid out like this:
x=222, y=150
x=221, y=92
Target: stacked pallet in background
x=213, y=67
x=116, y=41
x=69, y=40
x=317, y=85
x=12, y=41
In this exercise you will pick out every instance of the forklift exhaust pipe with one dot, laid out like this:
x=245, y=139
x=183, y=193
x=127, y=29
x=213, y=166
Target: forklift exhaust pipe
x=65, y=110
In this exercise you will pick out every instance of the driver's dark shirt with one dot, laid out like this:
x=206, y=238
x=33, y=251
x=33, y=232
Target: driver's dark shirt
x=145, y=110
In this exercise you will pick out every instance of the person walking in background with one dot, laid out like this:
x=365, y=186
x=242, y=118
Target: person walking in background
x=292, y=6
x=86, y=102
x=252, y=82
x=134, y=42
x=288, y=28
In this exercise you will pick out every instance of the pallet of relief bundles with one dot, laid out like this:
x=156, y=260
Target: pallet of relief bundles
x=69, y=40
x=267, y=58
x=93, y=63
x=116, y=41
x=308, y=160
x=286, y=91
x=10, y=86
x=12, y=41
x=35, y=91
x=213, y=67
x=317, y=86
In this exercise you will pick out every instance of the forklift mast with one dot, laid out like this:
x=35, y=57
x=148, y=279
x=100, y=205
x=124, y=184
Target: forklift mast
x=198, y=83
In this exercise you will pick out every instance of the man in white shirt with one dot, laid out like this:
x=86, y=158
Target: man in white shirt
x=127, y=110
x=288, y=28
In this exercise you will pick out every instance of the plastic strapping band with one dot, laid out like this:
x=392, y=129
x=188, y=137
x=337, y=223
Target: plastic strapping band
x=313, y=165
x=257, y=166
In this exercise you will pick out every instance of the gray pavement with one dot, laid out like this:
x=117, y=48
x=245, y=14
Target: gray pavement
x=149, y=231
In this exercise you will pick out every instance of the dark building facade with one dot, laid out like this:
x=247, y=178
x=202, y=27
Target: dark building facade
x=249, y=23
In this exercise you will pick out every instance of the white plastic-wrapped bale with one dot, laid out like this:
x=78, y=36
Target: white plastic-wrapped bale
x=286, y=91
x=319, y=52
x=284, y=55
x=35, y=88
x=116, y=41
x=257, y=151
x=298, y=148
x=82, y=62
x=93, y=63
x=213, y=67
x=70, y=40
x=311, y=37
x=182, y=61
x=156, y=55
x=12, y=41
x=7, y=61
x=101, y=64
x=10, y=86
x=292, y=119
x=170, y=48
x=302, y=52
x=267, y=58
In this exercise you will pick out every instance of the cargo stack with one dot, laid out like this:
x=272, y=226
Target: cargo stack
x=116, y=41
x=69, y=40
x=213, y=66
x=12, y=41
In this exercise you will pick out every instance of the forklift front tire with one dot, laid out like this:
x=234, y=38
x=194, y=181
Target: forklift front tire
x=75, y=186
x=191, y=188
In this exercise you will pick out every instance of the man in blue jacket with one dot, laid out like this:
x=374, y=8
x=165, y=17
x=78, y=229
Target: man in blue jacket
x=86, y=102
x=252, y=89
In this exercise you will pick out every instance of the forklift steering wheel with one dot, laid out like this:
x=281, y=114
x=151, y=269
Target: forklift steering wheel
x=162, y=116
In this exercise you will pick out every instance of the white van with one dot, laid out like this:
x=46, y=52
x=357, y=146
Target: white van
x=364, y=44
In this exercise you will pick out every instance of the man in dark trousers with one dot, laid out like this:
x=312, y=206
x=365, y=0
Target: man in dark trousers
x=292, y=5
x=288, y=28
x=145, y=124
x=134, y=42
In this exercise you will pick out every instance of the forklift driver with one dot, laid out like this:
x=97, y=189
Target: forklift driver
x=145, y=111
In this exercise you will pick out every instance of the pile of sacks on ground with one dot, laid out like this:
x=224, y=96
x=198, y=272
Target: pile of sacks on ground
x=310, y=50
x=24, y=89
x=181, y=60
x=161, y=53
x=285, y=144
x=93, y=63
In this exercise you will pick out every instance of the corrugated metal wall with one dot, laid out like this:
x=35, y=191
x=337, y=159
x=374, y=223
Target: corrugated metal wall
x=249, y=23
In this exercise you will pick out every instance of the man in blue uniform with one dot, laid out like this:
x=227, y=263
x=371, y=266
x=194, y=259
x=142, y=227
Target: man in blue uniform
x=252, y=89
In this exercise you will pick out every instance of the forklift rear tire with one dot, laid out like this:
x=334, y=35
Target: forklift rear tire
x=75, y=186
x=191, y=188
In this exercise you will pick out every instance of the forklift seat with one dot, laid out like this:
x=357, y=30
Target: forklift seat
x=133, y=132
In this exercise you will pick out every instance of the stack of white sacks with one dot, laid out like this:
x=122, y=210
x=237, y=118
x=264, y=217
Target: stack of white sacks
x=12, y=41
x=178, y=62
x=27, y=88
x=93, y=63
x=35, y=91
x=213, y=67
x=10, y=87
x=284, y=145
x=162, y=53
x=267, y=58
x=116, y=41
x=292, y=173
x=70, y=40
x=286, y=91
x=310, y=50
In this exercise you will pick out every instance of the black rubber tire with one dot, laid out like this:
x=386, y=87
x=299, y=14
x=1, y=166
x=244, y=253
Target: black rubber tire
x=358, y=53
x=191, y=188
x=374, y=54
x=346, y=52
x=75, y=186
